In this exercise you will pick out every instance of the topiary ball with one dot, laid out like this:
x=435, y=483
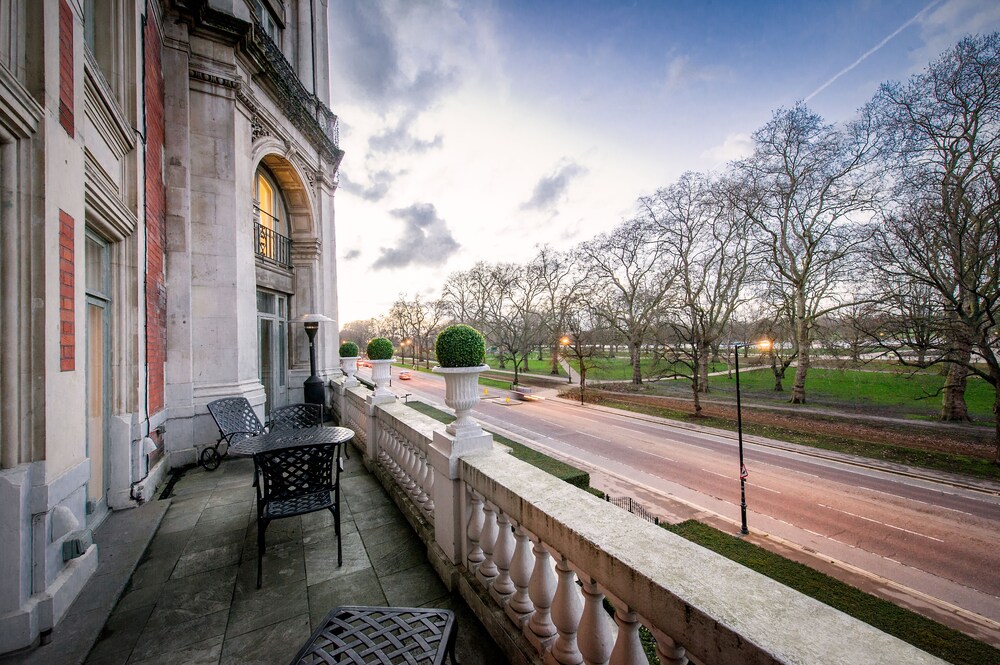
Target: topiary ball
x=379, y=349
x=460, y=346
x=348, y=350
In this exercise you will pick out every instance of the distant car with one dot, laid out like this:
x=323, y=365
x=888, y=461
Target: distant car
x=405, y=376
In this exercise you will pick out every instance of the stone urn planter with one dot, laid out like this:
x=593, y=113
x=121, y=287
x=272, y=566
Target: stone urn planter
x=461, y=393
x=349, y=362
x=380, y=353
x=461, y=351
x=350, y=367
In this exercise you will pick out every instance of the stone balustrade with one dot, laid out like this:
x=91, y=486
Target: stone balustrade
x=560, y=577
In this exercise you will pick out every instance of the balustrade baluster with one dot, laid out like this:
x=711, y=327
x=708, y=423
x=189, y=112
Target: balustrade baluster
x=475, y=529
x=541, y=589
x=502, y=553
x=487, y=542
x=421, y=488
x=628, y=648
x=668, y=651
x=429, y=485
x=566, y=612
x=594, y=639
x=519, y=606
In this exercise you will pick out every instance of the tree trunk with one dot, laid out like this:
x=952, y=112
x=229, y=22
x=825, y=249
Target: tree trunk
x=779, y=374
x=583, y=378
x=996, y=418
x=702, y=369
x=554, y=356
x=636, y=367
x=953, y=406
x=696, y=387
x=803, y=342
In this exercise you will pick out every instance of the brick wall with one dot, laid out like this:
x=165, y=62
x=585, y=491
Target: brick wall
x=156, y=293
x=66, y=66
x=67, y=294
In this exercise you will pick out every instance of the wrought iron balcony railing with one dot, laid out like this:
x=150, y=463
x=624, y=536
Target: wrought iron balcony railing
x=270, y=244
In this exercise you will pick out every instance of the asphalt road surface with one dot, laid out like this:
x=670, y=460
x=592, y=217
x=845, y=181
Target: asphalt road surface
x=925, y=534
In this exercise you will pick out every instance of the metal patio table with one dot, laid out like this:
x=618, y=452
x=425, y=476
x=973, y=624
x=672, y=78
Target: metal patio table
x=290, y=438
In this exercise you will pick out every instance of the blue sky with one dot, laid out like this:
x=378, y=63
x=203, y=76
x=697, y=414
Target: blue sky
x=476, y=130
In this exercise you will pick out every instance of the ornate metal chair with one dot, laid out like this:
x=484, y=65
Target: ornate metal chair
x=295, y=481
x=236, y=420
x=296, y=416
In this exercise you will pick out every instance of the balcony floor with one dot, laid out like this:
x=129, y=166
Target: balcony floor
x=193, y=599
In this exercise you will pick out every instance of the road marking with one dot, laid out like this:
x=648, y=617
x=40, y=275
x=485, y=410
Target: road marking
x=714, y=473
x=766, y=489
x=926, y=503
x=593, y=437
x=669, y=459
x=891, y=526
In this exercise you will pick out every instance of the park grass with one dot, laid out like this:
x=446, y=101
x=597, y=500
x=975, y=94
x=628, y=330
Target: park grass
x=535, y=366
x=899, y=392
x=923, y=633
x=561, y=470
x=619, y=368
x=926, y=459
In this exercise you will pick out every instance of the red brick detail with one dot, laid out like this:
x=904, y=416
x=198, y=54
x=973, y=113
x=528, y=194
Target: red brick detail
x=66, y=67
x=156, y=287
x=67, y=294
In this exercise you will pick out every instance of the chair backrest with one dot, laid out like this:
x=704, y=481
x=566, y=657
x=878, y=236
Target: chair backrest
x=234, y=415
x=292, y=472
x=297, y=416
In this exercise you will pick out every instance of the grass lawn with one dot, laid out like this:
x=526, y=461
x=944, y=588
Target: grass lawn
x=923, y=633
x=927, y=459
x=898, y=393
x=619, y=368
x=561, y=470
x=535, y=366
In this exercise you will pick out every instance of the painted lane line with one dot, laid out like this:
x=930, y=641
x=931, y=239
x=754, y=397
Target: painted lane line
x=669, y=459
x=721, y=475
x=593, y=437
x=766, y=489
x=891, y=526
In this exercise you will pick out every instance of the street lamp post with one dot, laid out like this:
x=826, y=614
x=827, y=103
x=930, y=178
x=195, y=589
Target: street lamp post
x=739, y=437
x=313, y=391
x=569, y=374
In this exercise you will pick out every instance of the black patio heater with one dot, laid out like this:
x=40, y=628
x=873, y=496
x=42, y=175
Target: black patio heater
x=313, y=390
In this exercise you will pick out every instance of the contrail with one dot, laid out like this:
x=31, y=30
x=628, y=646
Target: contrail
x=875, y=48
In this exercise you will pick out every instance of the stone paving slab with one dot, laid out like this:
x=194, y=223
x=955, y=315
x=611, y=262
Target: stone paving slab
x=193, y=598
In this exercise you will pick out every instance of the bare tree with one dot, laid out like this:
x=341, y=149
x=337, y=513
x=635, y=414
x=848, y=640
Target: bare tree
x=803, y=189
x=629, y=282
x=510, y=295
x=561, y=282
x=705, y=239
x=360, y=331
x=941, y=133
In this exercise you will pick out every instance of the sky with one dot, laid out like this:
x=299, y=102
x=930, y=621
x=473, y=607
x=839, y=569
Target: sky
x=478, y=130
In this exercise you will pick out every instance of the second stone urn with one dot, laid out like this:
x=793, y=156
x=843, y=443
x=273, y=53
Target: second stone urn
x=462, y=394
x=350, y=368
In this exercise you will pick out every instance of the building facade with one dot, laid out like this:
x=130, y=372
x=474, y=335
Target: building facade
x=167, y=174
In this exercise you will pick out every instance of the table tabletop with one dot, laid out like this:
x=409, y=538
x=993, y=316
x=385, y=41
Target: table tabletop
x=290, y=438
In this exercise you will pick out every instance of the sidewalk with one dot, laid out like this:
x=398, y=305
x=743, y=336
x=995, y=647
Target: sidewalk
x=191, y=593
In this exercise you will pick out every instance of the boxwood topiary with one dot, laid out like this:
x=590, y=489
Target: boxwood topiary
x=460, y=346
x=379, y=349
x=348, y=350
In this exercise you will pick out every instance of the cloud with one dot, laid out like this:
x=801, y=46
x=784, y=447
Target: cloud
x=399, y=139
x=425, y=240
x=374, y=51
x=682, y=73
x=948, y=22
x=380, y=182
x=735, y=146
x=352, y=254
x=551, y=188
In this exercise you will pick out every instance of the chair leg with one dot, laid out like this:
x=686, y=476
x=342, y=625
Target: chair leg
x=335, y=509
x=261, y=528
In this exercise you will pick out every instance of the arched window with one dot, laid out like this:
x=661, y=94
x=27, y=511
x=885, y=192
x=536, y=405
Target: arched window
x=270, y=220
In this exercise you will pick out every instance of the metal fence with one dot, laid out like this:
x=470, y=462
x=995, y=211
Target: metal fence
x=633, y=506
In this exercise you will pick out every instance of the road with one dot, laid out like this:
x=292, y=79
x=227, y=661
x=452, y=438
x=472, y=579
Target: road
x=913, y=530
